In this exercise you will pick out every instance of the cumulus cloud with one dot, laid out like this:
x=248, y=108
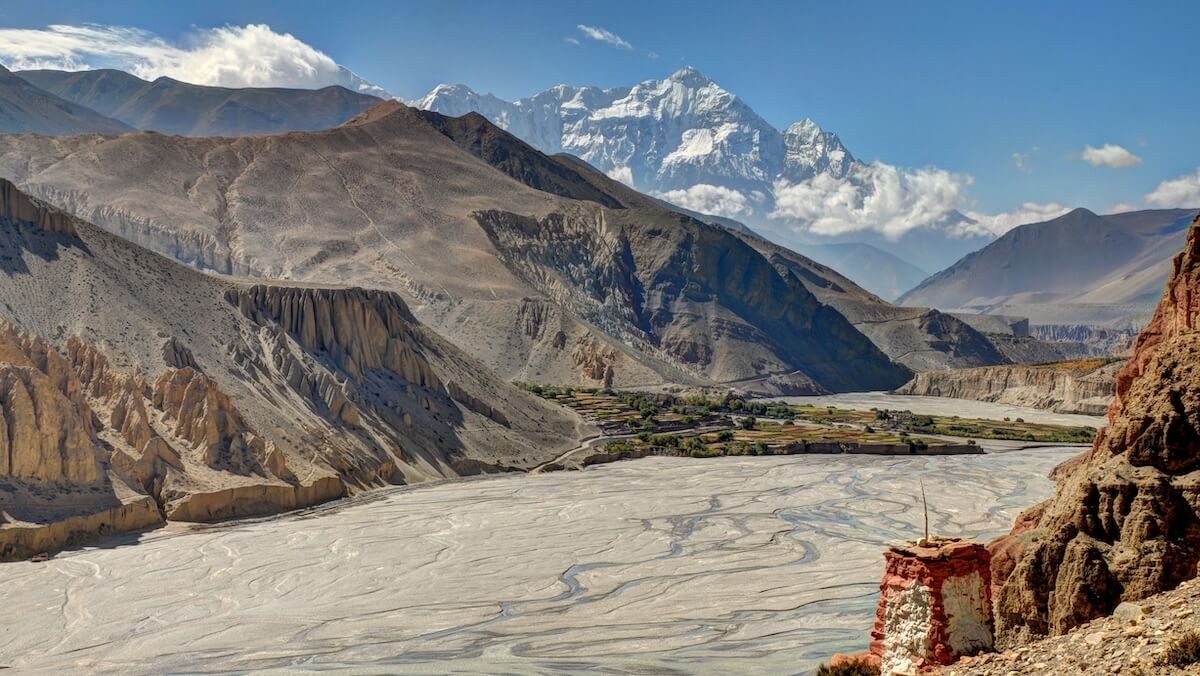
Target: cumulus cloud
x=893, y=201
x=1177, y=193
x=570, y=40
x=998, y=224
x=229, y=56
x=711, y=199
x=1109, y=155
x=603, y=35
x=876, y=196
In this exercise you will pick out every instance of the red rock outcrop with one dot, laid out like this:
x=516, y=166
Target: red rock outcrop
x=1123, y=524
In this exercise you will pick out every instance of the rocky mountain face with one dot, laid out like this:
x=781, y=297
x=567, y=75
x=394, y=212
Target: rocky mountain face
x=173, y=107
x=135, y=389
x=539, y=266
x=27, y=109
x=920, y=338
x=661, y=135
x=1123, y=524
x=1080, y=268
x=1085, y=387
x=687, y=140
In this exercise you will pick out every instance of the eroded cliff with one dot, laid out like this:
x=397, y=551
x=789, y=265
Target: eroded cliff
x=1085, y=387
x=135, y=389
x=1123, y=524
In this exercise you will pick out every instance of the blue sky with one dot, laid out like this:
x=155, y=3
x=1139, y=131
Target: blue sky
x=960, y=85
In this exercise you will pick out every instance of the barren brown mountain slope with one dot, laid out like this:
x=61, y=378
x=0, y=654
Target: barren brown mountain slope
x=26, y=109
x=135, y=388
x=517, y=257
x=173, y=107
x=1079, y=268
x=919, y=338
x=1123, y=524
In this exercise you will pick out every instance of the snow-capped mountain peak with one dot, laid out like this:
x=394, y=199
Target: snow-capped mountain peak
x=679, y=137
x=812, y=150
x=690, y=76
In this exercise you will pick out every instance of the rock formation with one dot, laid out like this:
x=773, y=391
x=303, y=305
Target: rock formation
x=135, y=389
x=1123, y=524
x=1085, y=387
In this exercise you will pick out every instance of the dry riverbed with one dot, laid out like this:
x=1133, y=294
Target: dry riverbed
x=754, y=565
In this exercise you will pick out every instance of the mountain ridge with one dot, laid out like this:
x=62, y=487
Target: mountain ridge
x=399, y=199
x=173, y=107
x=28, y=109
x=137, y=389
x=1078, y=268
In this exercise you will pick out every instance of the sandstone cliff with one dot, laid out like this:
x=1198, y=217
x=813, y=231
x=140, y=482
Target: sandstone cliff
x=1123, y=524
x=1085, y=387
x=135, y=390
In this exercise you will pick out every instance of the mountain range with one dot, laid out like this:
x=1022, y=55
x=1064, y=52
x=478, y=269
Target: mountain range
x=26, y=109
x=686, y=139
x=661, y=135
x=168, y=106
x=541, y=267
x=1079, y=268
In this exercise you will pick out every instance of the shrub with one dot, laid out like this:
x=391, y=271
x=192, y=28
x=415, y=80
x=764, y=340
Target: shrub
x=725, y=435
x=748, y=422
x=1182, y=650
x=849, y=668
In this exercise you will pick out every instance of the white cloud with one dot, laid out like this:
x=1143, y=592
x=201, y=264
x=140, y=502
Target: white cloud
x=652, y=55
x=876, y=196
x=711, y=199
x=230, y=56
x=1110, y=155
x=571, y=41
x=1122, y=207
x=1177, y=193
x=1021, y=160
x=622, y=174
x=1029, y=212
x=893, y=201
x=604, y=35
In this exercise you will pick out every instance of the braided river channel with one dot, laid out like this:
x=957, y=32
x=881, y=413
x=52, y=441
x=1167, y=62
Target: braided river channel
x=658, y=565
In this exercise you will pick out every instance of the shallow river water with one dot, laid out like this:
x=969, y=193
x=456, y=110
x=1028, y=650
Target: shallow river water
x=660, y=565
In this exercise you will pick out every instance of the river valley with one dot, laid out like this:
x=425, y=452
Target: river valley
x=662, y=564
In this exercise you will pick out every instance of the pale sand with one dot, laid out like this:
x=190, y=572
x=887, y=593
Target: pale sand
x=755, y=565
